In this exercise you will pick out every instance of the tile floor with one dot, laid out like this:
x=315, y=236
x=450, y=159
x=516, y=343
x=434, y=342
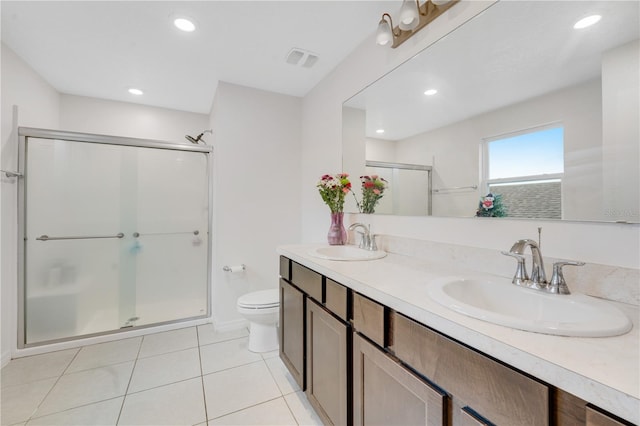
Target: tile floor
x=190, y=376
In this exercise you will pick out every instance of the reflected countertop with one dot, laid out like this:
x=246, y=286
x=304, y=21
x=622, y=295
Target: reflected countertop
x=603, y=371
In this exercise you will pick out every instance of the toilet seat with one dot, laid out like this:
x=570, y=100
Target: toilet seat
x=264, y=299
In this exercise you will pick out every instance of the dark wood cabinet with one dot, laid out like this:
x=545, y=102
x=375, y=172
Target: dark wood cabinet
x=385, y=393
x=327, y=365
x=361, y=362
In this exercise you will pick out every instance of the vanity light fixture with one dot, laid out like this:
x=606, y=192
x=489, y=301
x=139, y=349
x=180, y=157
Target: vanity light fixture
x=135, y=91
x=430, y=92
x=587, y=22
x=413, y=17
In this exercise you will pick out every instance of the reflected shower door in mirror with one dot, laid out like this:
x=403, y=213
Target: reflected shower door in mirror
x=114, y=237
x=518, y=67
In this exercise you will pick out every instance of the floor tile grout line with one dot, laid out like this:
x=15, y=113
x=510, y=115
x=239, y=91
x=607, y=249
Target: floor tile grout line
x=126, y=391
x=204, y=394
x=74, y=408
x=51, y=389
x=291, y=410
x=250, y=406
x=282, y=392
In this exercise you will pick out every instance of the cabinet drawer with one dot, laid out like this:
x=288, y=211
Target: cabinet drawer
x=336, y=298
x=494, y=391
x=285, y=268
x=368, y=318
x=307, y=280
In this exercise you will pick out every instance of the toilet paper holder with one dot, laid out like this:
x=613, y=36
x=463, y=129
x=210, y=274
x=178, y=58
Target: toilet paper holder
x=235, y=268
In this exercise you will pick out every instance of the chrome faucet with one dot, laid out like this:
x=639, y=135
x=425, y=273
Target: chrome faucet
x=368, y=241
x=538, y=278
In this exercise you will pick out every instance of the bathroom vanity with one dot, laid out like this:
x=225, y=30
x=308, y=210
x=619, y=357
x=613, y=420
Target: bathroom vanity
x=368, y=346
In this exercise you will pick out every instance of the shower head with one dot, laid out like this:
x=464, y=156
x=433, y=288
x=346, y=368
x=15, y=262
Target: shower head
x=197, y=139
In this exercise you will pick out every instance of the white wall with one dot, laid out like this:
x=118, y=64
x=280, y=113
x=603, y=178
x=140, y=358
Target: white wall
x=614, y=244
x=91, y=115
x=257, y=204
x=37, y=105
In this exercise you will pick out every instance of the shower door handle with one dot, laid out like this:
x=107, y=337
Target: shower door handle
x=90, y=237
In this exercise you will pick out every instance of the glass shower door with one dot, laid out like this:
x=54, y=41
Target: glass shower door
x=171, y=244
x=73, y=236
x=116, y=236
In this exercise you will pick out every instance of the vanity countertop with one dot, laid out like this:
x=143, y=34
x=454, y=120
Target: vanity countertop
x=603, y=371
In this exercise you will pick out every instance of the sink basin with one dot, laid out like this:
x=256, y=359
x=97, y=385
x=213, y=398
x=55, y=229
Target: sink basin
x=347, y=253
x=500, y=302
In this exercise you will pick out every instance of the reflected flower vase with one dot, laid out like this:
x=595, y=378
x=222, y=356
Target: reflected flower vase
x=337, y=235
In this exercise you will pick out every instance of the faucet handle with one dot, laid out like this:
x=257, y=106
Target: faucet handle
x=372, y=242
x=558, y=285
x=521, y=277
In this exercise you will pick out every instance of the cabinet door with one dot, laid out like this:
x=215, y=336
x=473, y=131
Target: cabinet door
x=386, y=393
x=596, y=418
x=292, y=330
x=327, y=369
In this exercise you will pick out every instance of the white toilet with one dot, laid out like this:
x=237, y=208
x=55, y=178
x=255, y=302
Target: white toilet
x=261, y=309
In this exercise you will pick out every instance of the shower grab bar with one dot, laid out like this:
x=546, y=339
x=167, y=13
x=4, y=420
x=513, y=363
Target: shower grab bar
x=11, y=174
x=91, y=237
x=137, y=234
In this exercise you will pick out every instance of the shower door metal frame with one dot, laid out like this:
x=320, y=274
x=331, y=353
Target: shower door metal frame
x=29, y=132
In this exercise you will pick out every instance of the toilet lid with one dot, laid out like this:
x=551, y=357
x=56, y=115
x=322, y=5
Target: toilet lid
x=260, y=299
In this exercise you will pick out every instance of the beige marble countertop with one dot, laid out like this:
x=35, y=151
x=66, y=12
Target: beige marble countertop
x=603, y=371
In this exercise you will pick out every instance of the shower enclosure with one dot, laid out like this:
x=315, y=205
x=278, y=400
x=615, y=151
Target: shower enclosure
x=114, y=233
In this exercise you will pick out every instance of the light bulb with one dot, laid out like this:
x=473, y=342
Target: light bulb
x=409, y=17
x=383, y=34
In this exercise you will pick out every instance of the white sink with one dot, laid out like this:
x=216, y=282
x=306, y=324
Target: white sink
x=346, y=253
x=500, y=302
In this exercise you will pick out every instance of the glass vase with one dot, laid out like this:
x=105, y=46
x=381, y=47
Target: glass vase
x=337, y=235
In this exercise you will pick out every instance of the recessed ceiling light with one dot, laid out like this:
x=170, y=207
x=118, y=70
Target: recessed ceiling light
x=430, y=92
x=380, y=131
x=135, y=91
x=587, y=22
x=184, y=24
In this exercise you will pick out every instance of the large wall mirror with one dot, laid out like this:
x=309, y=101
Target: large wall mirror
x=518, y=103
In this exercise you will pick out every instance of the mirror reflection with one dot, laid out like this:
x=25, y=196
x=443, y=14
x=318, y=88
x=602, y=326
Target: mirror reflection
x=517, y=103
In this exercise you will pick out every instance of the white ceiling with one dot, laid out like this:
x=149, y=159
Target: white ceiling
x=101, y=48
x=513, y=51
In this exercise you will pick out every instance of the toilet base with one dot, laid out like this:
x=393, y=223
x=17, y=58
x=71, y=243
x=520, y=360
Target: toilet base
x=263, y=337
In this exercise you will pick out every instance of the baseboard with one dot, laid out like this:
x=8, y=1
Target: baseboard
x=5, y=358
x=232, y=325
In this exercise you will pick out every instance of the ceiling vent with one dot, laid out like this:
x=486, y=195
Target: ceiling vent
x=301, y=58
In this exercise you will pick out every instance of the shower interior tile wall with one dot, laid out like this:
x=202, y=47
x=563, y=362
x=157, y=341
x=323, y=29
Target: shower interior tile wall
x=187, y=376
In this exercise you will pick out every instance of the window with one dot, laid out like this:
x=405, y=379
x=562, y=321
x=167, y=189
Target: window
x=526, y=169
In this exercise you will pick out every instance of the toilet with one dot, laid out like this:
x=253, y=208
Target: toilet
x=261, y=309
